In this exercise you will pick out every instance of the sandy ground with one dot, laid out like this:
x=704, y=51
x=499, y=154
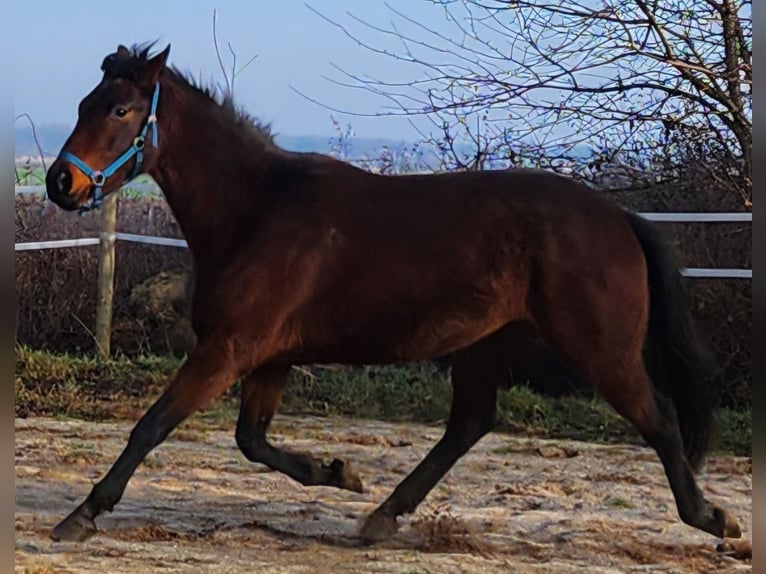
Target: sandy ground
x=511, y=505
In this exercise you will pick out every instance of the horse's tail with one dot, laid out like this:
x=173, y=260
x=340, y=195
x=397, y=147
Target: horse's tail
x=678, y=364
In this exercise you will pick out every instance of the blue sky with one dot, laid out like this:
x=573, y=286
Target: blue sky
x=59, y=47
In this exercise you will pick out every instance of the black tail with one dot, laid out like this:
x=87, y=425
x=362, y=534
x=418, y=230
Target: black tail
x=677, y=362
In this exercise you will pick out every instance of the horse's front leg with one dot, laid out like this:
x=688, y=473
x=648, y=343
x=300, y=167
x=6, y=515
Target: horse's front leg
x=261, y=395
x=209, y=370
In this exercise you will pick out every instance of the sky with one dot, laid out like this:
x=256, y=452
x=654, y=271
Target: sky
x=59, y=47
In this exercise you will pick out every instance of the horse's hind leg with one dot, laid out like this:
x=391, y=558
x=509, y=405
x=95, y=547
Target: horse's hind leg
x=616, y=369
x=261, y=395
x=662, y=432
x=476, y=374
x=209, y=370
x=631, y=394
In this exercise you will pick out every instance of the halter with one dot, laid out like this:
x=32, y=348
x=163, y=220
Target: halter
x=98, y=176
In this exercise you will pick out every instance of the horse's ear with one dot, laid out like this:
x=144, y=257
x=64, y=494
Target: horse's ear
x=150, y=73
x=107, y=64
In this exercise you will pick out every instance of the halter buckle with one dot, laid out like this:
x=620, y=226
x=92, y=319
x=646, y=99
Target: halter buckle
x=98, y=178
x=139, y=142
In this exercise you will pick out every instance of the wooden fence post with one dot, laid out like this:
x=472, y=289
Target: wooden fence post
x=106, y=273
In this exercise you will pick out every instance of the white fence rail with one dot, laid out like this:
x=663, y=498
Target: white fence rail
x=665, y=217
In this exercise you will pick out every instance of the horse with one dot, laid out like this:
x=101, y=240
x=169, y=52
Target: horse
x=300, y=258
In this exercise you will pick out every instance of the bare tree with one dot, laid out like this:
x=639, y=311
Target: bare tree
x=642, y=84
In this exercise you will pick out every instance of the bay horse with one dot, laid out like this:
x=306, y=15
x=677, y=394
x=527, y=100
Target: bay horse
x=304, y=259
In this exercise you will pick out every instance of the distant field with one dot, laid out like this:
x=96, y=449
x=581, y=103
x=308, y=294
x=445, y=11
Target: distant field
x=29, y=174
x=32, y=174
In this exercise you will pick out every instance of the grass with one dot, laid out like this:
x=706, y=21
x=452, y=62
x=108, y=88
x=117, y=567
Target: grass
x=66, y=386
x=618, y=502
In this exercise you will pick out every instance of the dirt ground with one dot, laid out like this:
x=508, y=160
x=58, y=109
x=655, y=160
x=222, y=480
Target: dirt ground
x=511, y=504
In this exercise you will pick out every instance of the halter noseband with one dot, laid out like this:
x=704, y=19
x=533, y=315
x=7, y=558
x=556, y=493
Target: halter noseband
x=98, y=176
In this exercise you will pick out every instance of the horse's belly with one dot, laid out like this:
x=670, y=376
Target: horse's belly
x=396, y=336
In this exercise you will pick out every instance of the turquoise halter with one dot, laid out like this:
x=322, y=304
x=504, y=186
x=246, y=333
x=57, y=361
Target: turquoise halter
x=99, y=176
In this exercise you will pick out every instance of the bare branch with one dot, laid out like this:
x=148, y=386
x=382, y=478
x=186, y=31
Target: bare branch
x=632, y=76
x=234, y=71
x=34, y=136
x=218, y=53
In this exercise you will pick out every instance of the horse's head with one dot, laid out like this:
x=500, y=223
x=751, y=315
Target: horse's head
x=107, y=146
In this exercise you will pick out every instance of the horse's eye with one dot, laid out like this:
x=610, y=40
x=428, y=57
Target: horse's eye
x=120, y=112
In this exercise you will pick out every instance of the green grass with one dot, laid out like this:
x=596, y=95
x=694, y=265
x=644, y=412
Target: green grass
x=66, y=386
x=618, y=502
x=33, y=175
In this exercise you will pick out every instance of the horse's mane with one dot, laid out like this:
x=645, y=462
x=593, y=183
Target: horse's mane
x=126, y=65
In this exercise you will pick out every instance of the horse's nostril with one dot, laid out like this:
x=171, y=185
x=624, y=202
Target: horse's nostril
x=64, y=181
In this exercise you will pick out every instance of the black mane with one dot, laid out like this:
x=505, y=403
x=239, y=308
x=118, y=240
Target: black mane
x=126, y=63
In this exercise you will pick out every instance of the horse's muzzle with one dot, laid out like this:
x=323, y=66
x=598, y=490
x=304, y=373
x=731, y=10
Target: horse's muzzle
x=58, y=185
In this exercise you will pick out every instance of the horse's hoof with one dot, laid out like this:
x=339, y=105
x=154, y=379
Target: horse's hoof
x=722, y=524
x=344, y=476
x=74, y=528
x=740, y=548
x=730, y=527
x=378, y=526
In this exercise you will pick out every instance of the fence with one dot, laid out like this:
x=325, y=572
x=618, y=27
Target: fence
x=108, y=238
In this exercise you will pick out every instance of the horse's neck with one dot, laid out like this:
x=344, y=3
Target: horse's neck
x=201, y=182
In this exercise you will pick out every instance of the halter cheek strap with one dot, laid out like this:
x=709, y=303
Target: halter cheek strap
x=99, y=176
